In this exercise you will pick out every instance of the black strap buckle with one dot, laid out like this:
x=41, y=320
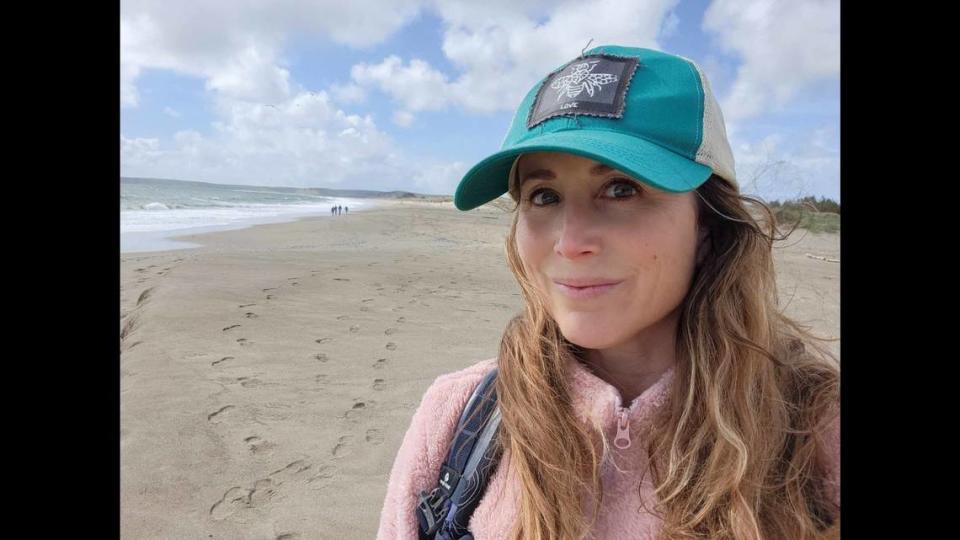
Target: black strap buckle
x=430, y=511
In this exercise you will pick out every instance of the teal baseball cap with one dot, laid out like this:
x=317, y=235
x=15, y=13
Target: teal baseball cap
x=649, y=114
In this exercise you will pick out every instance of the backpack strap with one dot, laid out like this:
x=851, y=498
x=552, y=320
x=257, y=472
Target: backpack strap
x=445, y=512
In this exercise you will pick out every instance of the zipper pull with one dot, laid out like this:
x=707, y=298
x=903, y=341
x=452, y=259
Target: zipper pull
x=622, y=441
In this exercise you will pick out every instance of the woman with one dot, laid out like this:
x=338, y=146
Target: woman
x=651, y=388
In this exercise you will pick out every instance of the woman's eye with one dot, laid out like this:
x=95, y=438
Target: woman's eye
x=627, y=188
x=617, y=190
x=539, y=202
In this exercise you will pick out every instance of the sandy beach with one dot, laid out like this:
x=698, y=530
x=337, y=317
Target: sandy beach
x=268, y=377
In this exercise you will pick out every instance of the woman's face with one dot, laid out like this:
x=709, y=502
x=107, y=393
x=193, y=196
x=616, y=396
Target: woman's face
x=581, y=220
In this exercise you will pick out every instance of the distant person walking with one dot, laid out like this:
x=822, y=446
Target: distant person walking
x=346, y=209
x=333, y=210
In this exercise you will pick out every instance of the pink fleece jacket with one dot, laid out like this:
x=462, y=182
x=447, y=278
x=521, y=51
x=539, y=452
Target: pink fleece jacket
x=595, y=401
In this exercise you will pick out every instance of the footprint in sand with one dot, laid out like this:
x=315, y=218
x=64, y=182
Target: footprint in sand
x=367, y=300
x=257, y=446
x=324, y=340
x=245, y=305
x=391, y=346
x=356, y=411
x=236, y=498
x=374, y=436
x=244, y=342
x=380, y=363
x=364, y=308
x=389, y=331
x=144, y=296
x=217, y=414
x=379, y=384
x=322, y=357
x=293, y=471
x=341, y=279
x=323, y=472
x=224, y=359
x=250, y=315
x=354, y=329
x=231, y=327
x=251, y=383
x=343, y=445
x=269, y=289
x=270, y=297
x=401, y=319
x=264, y=489
x=129, y=327
x=320, y=379
x=342, y=317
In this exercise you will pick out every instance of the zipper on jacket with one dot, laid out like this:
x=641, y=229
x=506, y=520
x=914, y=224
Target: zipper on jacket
x=622, y=441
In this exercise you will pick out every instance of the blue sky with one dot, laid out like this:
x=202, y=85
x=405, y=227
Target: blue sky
x=410, y=94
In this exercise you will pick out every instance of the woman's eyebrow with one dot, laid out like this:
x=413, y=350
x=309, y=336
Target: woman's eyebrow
x=547, y=174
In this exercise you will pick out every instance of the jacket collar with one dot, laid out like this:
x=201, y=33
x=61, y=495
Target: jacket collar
x=597, y=402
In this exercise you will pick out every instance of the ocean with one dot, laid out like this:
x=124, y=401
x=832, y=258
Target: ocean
x=153, y=210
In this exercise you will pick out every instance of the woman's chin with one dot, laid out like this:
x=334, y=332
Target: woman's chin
x=590, y=336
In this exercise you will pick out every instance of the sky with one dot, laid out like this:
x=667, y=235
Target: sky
x=409, y=94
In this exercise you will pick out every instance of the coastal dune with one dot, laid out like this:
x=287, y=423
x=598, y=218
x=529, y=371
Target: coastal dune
x=267, y=378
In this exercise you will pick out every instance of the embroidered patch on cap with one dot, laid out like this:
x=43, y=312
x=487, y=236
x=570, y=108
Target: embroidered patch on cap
x=593, y=85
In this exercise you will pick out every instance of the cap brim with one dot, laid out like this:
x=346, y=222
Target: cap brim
x=637, y=157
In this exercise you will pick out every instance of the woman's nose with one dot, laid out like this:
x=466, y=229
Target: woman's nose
x=578, y=235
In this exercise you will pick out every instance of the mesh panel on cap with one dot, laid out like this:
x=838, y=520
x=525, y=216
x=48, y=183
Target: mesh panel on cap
x=714, y=151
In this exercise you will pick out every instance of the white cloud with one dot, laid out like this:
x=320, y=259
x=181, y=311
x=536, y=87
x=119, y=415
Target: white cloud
x=304, y=140
x=348, y=93
x=251, y=74
x=417, y=86
x=141, y=153
x=785, y=167
x=504, y=49
x=171, y=112
x=268, y=129
x=670, y=24
x=129, y=97
x=235, y=45
x=785, y=47
x=439, y=179
x=403, y=118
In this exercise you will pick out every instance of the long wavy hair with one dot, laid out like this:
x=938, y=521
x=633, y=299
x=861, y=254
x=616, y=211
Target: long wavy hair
x=736, y=452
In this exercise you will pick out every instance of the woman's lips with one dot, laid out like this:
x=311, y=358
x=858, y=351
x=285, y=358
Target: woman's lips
x=586, y=292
